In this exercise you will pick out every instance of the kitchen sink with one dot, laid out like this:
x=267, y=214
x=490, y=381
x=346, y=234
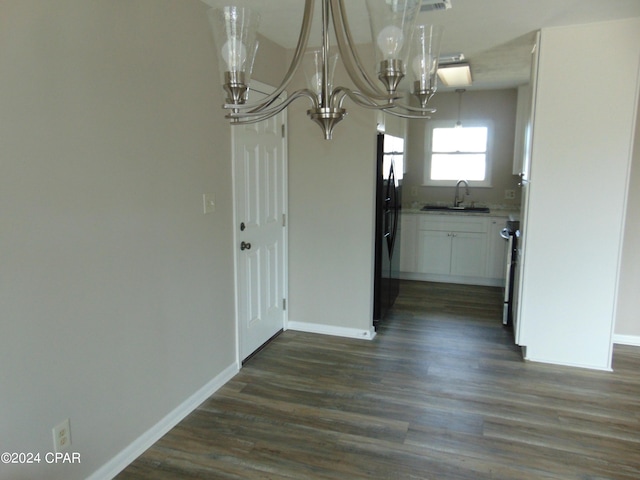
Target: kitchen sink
x=442, y=208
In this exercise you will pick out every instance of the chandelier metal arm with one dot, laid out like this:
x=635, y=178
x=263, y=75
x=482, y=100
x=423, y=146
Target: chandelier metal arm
x=408, y=116
x=396, y=109
x=350, y=58
x=342, y=23
x=409, y=108
x=359, y=99
x=258, y=116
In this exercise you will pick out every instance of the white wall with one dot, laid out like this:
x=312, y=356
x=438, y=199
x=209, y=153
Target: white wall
x=581, y=156
x=331, y=201
x=115, y=290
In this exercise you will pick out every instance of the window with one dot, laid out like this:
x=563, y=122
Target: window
x=456, y=153
x=394, y=151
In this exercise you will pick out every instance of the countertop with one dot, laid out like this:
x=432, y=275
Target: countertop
x=494, y=211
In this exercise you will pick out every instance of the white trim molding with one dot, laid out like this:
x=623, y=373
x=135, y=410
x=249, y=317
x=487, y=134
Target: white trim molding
x=551, y=361
x=151, y=436
x=459, y=279
x=331, y=330
x=633, y=340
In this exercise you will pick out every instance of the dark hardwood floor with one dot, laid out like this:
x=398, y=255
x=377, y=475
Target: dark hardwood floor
x=441, y=393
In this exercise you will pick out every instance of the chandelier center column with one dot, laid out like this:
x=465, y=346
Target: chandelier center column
x=326, y=114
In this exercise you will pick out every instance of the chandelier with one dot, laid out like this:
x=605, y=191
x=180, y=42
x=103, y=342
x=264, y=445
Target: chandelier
x=402, y=48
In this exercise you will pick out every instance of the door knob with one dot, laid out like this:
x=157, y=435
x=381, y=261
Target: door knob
x=245, y=246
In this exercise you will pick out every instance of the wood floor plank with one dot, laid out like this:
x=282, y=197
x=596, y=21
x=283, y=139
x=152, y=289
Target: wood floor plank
x=441, y=393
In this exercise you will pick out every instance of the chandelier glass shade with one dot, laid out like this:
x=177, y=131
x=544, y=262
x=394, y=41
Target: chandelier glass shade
x=402, y=49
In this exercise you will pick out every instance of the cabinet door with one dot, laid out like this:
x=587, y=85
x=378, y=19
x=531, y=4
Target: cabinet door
x=468, y=254
x=434, y=252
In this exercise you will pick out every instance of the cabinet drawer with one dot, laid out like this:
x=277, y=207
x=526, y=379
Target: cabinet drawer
x=448, y=223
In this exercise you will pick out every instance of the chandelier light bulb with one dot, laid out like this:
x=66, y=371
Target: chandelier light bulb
x=316, y=83
x=234, y=53
x=390, y=41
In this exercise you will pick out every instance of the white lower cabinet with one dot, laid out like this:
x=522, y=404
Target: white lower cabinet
x=456, y=248
x=434, y=251
x=452, y=253
x=468, y=254
x=452, y=245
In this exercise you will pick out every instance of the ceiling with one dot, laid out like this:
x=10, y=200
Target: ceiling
x=496, y=36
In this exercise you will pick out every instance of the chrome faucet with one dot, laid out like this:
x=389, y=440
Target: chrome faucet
x=456, y=202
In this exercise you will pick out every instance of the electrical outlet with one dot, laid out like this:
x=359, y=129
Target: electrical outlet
x=209, y=202
x=62, y=436
x=509, y=194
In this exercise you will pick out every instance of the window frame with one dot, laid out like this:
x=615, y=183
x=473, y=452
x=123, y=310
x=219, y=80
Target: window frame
x=426, y=174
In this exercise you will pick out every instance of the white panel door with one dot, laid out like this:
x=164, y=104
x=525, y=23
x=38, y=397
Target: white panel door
x=259, y=162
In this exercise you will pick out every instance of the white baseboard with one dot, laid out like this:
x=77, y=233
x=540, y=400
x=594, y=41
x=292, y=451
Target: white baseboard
x=151, y=436
x=459, y=279
x=331, y=330
x=601, y=368
x=633, y=340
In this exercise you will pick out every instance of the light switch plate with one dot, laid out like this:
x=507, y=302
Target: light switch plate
x=208, y=202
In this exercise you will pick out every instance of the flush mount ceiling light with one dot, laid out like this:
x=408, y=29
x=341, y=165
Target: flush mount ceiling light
x=447, y=58
x=402, y=48
x=429, y=5
x=455, y=74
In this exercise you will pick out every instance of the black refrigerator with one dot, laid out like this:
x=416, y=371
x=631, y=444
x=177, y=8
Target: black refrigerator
x=389, y=162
